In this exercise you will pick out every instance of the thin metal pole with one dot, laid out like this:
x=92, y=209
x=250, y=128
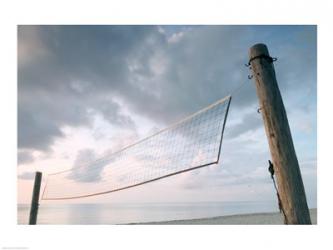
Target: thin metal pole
x=35, y=199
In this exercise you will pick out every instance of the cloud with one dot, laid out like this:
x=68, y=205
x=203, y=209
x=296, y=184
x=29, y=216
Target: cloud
x=69, y=74
x=249, y=122
x=27, y=175
x=87, y=167
x=69, y=82
x=24, y=157
x=175, y=37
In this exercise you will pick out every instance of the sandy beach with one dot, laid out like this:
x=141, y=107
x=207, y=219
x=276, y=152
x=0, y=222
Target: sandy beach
x=244, y=219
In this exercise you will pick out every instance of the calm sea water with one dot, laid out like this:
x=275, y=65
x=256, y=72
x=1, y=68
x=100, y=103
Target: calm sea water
x=139, y=212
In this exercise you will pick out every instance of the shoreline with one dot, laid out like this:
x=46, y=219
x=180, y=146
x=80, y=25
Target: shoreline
x=240, y=219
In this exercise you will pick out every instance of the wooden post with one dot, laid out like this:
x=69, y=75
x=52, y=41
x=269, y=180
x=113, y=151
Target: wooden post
x=289, y=179
x=35, y=199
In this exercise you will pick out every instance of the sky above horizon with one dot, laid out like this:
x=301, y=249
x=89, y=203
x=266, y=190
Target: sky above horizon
x=84, y=91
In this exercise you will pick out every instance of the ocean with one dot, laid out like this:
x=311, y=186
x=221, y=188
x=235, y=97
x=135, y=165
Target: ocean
x=97, y=214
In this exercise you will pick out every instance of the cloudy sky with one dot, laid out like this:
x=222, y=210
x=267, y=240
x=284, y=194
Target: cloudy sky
x=84, y=91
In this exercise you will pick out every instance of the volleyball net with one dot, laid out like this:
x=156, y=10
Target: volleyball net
x=189, y=144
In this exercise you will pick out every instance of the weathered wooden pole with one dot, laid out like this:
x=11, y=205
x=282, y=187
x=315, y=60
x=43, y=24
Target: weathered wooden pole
x=35, y=199
x=289, y=179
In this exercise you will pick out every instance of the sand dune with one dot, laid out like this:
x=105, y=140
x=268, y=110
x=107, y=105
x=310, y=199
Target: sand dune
x=244, y=219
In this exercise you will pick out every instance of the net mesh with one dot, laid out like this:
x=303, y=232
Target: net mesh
x=191, y=143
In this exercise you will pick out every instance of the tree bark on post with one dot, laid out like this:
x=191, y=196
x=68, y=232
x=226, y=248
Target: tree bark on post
x=289, y=179
x=35, y=199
